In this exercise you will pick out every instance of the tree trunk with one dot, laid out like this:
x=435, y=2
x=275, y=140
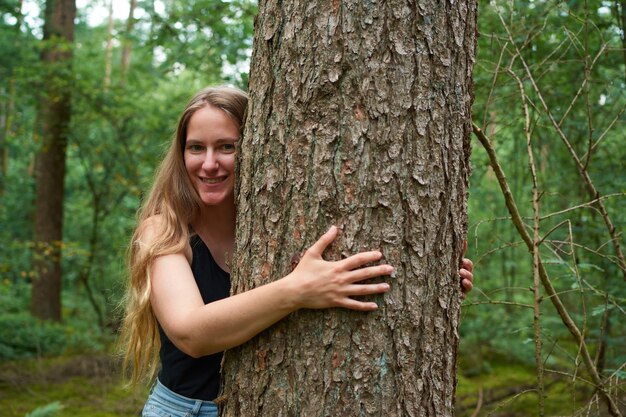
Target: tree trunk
x=7, y=106
x=359, y=116
x=108, y=50
x=53, y=122
x=127, y=42
x=5, y=127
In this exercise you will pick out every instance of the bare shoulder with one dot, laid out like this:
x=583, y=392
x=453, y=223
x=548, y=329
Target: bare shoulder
x=151, y=228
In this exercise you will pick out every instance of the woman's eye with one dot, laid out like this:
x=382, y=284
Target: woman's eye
x=195, y=148
x=229, y=147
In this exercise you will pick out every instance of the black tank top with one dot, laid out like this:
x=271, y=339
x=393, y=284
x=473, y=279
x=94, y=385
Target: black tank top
x=196, y=378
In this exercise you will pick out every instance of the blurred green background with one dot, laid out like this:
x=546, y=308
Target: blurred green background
x=550, y=79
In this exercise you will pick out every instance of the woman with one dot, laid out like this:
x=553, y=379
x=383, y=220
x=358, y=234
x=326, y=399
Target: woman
x=178, y=302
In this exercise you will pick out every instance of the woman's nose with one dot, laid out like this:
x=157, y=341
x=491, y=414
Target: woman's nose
x=210, y=161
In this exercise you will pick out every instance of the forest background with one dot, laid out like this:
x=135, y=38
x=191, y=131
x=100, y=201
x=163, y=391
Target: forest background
x=547, y=204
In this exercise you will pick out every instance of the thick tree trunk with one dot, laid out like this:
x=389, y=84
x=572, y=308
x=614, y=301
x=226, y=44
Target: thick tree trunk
x=359, y=117
x=53, y=119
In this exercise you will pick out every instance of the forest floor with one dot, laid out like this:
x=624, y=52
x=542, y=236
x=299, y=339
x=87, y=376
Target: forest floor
x=78, y=386
x=90, y=385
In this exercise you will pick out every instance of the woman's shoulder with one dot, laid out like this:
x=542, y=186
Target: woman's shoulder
x=149, y=230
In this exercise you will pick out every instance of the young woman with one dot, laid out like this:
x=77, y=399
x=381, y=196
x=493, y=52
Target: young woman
x=178, y=309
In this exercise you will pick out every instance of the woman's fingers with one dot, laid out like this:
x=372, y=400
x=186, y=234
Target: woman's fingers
x=369, y=272
x=366, y=289
x=466, y=279
x=466, y=275
x=361, y=290
x=358, y=305
x=322, y=243
x=360, y=259
x=467, y=285
x=468, y=264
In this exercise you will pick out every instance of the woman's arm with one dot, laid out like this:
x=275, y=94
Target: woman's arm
x=198, y=329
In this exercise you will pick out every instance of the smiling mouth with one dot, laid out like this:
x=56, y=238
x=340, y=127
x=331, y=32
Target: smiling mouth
x=213, y=180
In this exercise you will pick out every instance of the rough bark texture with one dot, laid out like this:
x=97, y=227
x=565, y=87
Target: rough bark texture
x=53, y=120
x=359, y=117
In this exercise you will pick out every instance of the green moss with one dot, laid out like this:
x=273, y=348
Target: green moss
x=78, y=396
x=83, y=386
x=510, y=389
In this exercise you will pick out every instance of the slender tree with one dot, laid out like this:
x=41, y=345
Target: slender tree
x=108, y=50
x=127, y=42
x=53, y=120
x=7, y=104
x=360, y=117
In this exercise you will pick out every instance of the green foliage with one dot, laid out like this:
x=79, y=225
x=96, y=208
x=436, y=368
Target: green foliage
x=24, y=336
x=205, y=36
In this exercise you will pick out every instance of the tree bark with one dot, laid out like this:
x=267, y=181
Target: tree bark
x=53, y=120
x=359, y=116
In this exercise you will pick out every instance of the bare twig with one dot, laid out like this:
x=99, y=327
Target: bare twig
x=536, y=240
x=543, y=274
x=519, y=394
x=584, y=205
x=480, y=402
x=508, y=303
x=609, y=127
x=595, y=194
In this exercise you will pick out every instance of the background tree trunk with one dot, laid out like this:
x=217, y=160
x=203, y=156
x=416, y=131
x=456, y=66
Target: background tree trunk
x=7, y=106
x=127, y=41
x=53, y=118
x=108, y=50
x=359, y=117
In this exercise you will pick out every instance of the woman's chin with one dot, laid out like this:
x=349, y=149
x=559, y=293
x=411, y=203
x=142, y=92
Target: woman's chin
x=216, y=199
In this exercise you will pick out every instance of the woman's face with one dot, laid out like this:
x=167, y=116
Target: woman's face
x=210, y=154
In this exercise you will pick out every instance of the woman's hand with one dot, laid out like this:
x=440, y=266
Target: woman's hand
x=322, y=284
x=466, y=276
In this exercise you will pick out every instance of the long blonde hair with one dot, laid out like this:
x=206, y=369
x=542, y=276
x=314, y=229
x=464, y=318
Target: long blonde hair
x=176, y=202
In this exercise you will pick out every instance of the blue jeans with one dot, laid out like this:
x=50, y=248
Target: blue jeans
x=163, y=402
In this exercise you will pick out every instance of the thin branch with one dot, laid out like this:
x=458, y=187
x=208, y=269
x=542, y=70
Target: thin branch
x=493, y=84
x=584, y=205
x=581, y=168
x=535, y=248
x=495, y=302
x=543, y=274
x=549, y=232
x=571, y=376
x=615, y=119
x=480, y=402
